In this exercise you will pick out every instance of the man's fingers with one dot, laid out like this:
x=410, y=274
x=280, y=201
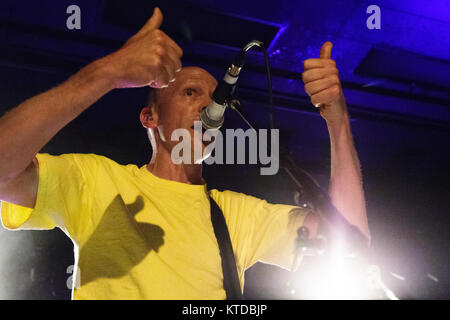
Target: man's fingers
x=325, y=51
x=163, y=79
x=175, y=60
x=316, y=86
x=170, y=66
x=154, y=22
x=318, y=73
x=325, y=96
x=318, y=63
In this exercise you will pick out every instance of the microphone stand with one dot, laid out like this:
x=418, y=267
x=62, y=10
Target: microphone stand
x=334, y=228
x=316, y=199
x=311, y=196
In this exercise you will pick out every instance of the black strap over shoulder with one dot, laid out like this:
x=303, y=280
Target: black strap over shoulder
x=230, y=274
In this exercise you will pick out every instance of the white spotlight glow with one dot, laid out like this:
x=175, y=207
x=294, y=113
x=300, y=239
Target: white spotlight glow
x=343, y=277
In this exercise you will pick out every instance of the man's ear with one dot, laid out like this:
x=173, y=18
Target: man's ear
x=149, y=118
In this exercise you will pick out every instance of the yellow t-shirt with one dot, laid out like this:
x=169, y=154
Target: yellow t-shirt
x=138, y=236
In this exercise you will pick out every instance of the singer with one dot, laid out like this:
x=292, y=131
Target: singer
x=146, y=233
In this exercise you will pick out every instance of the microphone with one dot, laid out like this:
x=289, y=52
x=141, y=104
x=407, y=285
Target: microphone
x=212, y=116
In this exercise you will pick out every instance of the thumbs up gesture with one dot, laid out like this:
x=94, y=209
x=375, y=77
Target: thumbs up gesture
x=150, y=57
x=322, y=84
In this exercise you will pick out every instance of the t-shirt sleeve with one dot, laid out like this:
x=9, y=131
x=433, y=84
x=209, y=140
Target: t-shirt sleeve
x=261, y=231
x=64, y=195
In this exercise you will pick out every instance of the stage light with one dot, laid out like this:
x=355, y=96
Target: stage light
x=340, y=276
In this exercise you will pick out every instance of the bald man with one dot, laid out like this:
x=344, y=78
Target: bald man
x=146, y=233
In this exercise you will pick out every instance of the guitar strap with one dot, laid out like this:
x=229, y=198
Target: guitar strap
x=231, y=282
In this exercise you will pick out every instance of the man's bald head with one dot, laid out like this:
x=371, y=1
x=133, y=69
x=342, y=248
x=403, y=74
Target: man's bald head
x=177, y=106
x=186, y=73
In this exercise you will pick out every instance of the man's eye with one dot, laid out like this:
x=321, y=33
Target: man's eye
x=189, y=92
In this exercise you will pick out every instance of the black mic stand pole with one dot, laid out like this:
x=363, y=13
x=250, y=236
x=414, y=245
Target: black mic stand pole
x=334, y=228
x=314, y=198
x=312, y=195
x=333, y=224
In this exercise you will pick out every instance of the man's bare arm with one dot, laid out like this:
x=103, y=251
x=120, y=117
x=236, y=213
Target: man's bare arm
x=346, y=190
x=148, y=58
x=27, y=128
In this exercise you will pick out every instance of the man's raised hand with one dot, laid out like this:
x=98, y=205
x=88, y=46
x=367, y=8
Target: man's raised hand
x=150, y=57
x=322, y=84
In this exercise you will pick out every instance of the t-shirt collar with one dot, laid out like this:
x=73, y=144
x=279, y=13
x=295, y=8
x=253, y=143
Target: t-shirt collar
x=172, y=185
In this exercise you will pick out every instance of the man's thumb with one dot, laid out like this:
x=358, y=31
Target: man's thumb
x=155, y=21
x=325, y=51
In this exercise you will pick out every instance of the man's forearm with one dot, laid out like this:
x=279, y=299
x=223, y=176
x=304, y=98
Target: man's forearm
x=27, y=128
x=322, y=84
x=346, y=189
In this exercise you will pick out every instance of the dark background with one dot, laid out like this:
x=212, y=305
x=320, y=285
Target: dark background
x=395, y=80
